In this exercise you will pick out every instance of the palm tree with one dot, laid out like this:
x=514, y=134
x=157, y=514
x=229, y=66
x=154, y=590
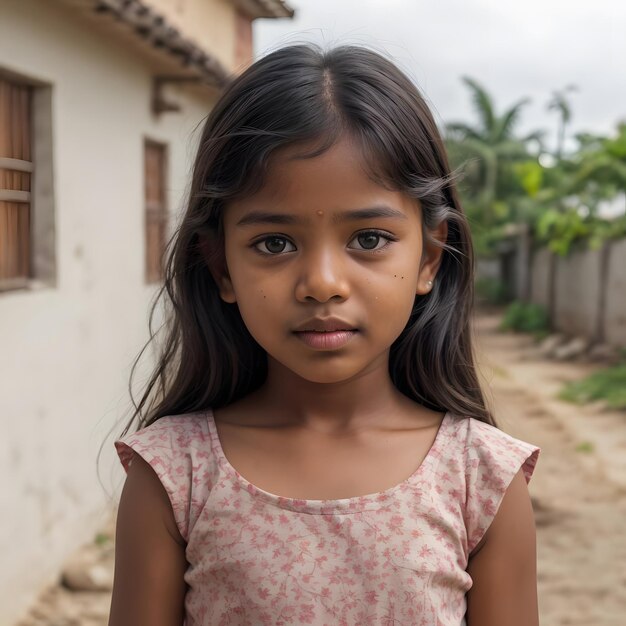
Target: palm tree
x=560, y=103
x=492, y=142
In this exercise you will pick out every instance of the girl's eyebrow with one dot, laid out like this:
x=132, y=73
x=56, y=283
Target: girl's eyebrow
x=262, y=217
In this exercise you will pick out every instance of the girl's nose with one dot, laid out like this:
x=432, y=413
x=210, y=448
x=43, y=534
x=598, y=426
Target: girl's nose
x=322, y=278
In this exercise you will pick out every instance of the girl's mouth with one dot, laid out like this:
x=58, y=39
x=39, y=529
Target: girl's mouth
x=325, y=340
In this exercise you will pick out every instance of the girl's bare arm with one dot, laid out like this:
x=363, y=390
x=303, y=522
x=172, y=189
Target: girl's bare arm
x=149, y=554
x=504, y=566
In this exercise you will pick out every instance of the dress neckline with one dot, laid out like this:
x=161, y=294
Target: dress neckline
x=342, y=505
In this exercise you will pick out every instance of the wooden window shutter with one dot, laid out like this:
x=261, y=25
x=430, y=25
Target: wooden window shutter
x=16, y=169
x=156, y=211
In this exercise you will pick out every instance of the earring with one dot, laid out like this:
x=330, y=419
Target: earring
x=429, y=283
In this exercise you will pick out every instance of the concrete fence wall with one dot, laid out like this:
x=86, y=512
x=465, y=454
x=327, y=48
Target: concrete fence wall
x=585, y=292
x=540, y=277
x=577, y=293
x=615, y=315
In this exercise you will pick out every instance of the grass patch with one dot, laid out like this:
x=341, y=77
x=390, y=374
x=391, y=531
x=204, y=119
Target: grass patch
x=526, y=317
x=607, y=384
x=585, y=446
x=500, y=372
x=101, y=539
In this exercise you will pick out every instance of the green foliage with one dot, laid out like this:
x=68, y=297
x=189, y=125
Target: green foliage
x=525, y=317
x=530, y=175
x=604, y=230
x=603, y=161
x=506, y=181
x=608, y=384
x=486, y=153
x=561, y=229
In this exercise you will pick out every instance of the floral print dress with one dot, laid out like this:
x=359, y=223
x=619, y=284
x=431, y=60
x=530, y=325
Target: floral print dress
x=398, y=557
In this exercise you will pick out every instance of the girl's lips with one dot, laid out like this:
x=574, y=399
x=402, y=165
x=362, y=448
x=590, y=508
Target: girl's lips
x=330, y=340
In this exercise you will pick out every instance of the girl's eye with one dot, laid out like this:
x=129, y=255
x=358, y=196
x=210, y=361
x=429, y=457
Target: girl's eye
x=274, y=245
x=371, y=240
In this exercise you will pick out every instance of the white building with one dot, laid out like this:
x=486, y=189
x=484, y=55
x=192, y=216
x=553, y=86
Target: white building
x=99, y=100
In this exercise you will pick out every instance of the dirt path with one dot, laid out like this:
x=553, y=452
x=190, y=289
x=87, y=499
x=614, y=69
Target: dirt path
x=580, y=514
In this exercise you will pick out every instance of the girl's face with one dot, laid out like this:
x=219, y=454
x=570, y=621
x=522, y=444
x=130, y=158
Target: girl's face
x=321, y=241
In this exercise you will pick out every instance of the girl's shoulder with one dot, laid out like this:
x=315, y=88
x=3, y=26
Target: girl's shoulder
x=178, y=449
x=485, y=459
x=485, y=446
x=167, y=436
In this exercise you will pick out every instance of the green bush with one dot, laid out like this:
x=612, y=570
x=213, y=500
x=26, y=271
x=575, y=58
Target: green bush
x=607, y=384
x=525, y=317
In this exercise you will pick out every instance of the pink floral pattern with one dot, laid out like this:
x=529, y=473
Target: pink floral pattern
x=394, y=557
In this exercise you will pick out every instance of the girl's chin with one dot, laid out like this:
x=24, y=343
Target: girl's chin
x=325, y=372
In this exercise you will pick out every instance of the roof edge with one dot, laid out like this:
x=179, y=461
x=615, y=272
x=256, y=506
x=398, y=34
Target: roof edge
x=159, y=33
x=265, y=8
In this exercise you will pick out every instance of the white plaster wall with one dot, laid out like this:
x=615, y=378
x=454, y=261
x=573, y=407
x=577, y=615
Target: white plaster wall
x=66, y=352
x=209, y=23
x=615, y=329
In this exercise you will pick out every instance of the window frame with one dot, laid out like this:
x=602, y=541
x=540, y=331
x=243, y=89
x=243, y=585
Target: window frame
x=156, y=213
x=40, y=247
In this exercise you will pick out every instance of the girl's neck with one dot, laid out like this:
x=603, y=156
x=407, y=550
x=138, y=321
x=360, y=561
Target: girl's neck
x=363, y=402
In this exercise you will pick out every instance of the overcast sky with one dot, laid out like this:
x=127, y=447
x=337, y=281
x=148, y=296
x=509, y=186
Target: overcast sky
x=515, y=49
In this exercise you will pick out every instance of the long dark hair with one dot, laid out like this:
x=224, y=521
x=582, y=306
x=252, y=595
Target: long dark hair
x=302, y=95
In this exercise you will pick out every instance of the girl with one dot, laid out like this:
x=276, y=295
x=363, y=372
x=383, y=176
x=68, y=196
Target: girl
x=317, y=449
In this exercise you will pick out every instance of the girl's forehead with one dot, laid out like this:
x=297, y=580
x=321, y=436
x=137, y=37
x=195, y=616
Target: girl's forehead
x=300, y=189
x=323, y=200
x=337, y=177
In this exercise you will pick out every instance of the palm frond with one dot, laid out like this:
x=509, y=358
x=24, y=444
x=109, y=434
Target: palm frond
x=512, y=149
x=458, y=131
x=503, y=128
x=483, y=104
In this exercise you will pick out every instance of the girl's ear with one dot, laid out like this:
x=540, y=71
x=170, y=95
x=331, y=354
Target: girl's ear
x=213, y=253
x=432, y=256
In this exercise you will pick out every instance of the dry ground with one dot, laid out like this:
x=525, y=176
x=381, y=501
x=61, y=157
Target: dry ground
x=580, y=514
